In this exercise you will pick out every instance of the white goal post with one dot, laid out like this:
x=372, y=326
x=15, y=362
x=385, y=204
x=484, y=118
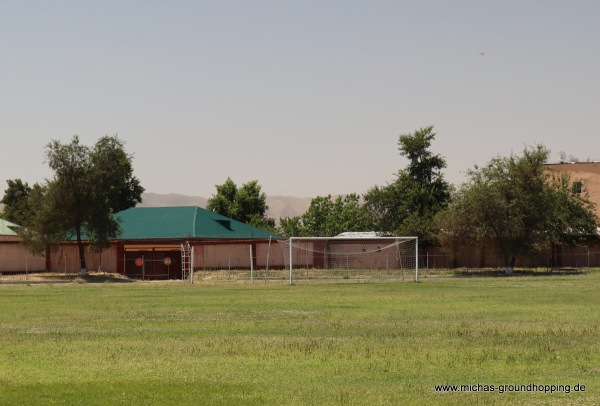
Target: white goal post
x=351, y=257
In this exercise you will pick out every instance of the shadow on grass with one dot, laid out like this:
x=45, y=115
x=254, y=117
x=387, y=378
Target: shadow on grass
x=101, y=277
x=487, y=273
x=53, y=277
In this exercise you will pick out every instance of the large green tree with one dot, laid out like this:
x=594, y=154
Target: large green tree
x=327, y=217
x=247, y=204
x=408, y=204
x=16, y=201
x=89, y=185
x=513, y=205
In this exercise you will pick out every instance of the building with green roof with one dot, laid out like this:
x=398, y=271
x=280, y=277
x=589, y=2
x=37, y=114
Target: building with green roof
x=159, y=243
x=184, y=223
x=8, y=229
x=155, y=241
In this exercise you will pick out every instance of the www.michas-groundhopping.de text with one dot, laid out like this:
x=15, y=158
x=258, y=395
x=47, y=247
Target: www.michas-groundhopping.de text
x=531, y=387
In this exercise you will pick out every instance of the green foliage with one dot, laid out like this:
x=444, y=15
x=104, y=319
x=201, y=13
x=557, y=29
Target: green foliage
x=511, y=204
x=291, y=226
x=404, y=207
x=407, y=205
x=424, y=167
x=247, y=204
x=15, y=201
x=49, y=225
x=224, y=201
x=250, y=203
x=573, y=221
x=112, y=172
x=88, y=187
x=326, y=218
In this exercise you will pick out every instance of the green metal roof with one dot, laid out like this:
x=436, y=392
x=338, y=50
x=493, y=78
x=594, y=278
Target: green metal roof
x=145, y=223
x=8, y=228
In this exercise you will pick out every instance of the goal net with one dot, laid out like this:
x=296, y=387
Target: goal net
x=351, y=257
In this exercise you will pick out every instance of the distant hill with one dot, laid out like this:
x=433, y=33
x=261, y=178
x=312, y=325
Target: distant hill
x=279, y=206
x=171, y=199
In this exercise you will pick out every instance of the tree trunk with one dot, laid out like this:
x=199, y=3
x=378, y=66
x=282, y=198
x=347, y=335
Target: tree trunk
x=511, y=265
x=83, y=269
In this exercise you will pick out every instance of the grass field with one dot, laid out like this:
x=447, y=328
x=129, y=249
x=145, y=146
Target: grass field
x=307, y=344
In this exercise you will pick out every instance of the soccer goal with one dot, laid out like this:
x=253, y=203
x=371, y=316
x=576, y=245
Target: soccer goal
x=351, y=257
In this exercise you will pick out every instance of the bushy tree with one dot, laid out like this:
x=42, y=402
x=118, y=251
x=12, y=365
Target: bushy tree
x=573, y=220
x=291, y=226
x=326, y=217
x=15, y=201
x=512, y=205
x=112, y=171
x=223, y=202
x=247, y=204
x=89, y=185
x=407, y=205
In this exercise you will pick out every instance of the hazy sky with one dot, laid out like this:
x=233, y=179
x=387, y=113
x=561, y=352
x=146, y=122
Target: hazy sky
x=307, y=97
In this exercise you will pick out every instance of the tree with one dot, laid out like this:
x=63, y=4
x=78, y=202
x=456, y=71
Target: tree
x=15, y=200
x=326, y=217
x=408, y=205
x=88, y=187
x=112, y=172
x=224, y=200
x=513, y=205
x=291, y=226
x=247, y=204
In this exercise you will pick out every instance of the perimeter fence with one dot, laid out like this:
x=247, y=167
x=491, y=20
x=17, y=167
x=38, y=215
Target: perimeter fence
x=258, y=267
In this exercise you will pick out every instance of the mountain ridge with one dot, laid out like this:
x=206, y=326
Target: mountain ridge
x=279, y=206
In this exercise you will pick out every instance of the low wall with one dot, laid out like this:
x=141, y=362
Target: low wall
x=15, y=258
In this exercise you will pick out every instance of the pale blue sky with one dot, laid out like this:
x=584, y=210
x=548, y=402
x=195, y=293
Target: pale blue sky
x=308, y=97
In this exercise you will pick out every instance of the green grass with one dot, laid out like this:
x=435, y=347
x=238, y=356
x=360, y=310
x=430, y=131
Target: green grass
x=341, y=343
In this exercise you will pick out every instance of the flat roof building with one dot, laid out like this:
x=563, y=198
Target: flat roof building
x=587, y=172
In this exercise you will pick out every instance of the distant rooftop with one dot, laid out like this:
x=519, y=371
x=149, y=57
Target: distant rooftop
x=563, y=158
x=572, y=162
x=362, y=234
x=8, y=228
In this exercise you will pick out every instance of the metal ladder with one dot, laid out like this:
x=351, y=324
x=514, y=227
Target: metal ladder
x=186, y=262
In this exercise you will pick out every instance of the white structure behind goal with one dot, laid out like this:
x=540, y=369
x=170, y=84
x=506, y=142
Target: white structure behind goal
x=350, y=257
